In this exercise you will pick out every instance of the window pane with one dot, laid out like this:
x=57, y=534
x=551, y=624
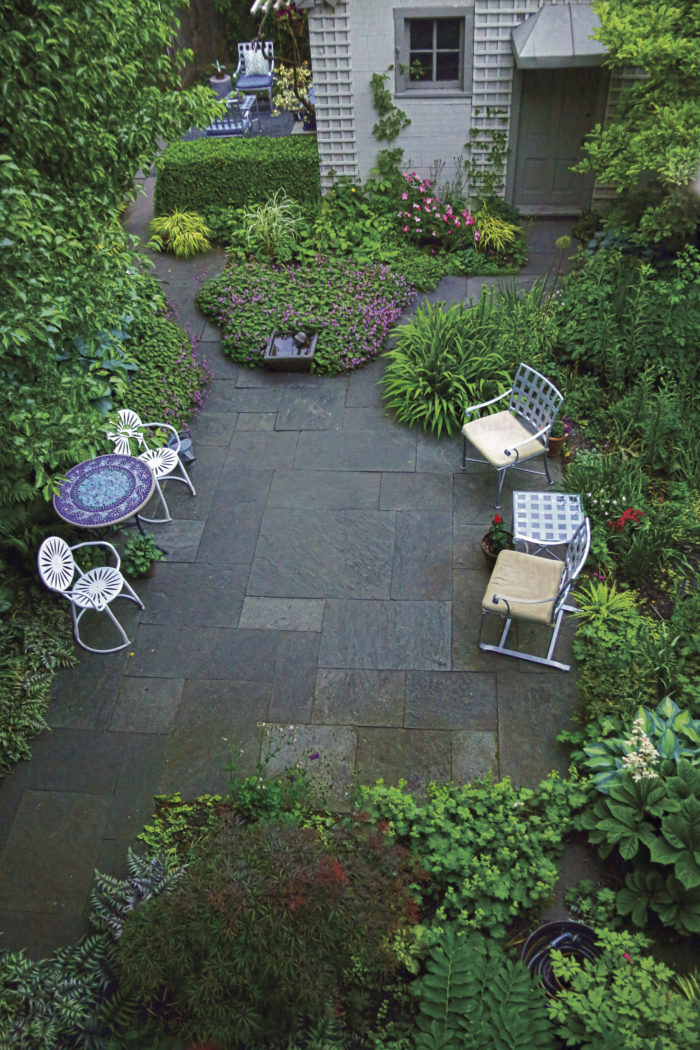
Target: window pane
x=448, y=33
x=447, y=65
x=421, y=34
x=420, y=65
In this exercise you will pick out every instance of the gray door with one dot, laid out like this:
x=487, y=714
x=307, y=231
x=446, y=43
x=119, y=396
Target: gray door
x=558, y=107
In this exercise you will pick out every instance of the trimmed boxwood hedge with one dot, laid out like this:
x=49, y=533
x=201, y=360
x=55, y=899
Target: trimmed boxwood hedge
x=197, y=175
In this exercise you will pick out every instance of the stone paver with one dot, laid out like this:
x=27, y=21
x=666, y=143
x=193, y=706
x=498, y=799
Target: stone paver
x=326, y=576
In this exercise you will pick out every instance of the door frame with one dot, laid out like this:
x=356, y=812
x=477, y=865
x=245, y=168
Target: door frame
x=515, y=112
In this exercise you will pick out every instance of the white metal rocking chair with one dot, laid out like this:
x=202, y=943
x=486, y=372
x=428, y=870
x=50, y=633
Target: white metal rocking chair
x=520, y=432
x=534, y=589
x=93, y=589
x=164, y=461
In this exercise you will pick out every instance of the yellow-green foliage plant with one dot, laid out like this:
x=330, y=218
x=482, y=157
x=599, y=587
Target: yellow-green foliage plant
x=496, y=234
x=184, y=233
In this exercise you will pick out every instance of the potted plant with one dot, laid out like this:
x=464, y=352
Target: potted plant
x=497, y=539
x=220, y=81
x=561, y=428
x=140, y=555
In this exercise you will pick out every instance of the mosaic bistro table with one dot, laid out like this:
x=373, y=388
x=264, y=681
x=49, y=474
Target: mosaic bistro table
x=104, y=491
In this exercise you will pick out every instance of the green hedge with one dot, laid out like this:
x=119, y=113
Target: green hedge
x=217, y=172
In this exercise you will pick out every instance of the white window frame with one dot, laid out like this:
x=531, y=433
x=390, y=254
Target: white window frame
x=426, y=88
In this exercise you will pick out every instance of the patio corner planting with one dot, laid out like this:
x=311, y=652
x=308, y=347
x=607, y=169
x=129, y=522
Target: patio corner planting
x=352, y=309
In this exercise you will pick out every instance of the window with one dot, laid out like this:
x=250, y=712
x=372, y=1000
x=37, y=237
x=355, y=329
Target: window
x=434, y=54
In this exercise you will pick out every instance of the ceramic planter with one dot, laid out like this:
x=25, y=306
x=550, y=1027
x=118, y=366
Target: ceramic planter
x=554, y=446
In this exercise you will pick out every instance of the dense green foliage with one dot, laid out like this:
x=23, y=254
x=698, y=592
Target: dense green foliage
x=439, y=364
x=490, y=849
x=624, y=998
x=268, y=925
x=235, y=172
x=445, y=359
x=650, y=151
x=354, y=307
x=473, y=997
x=171, y=379
x=35, y=641
x=89, y=90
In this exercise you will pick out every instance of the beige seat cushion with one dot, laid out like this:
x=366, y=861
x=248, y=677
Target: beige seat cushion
x=518, y=575
x=490, y=435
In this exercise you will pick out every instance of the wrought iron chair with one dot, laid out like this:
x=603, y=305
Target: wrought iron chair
x=164, y=460
x=255, y=71
x=94, y=589
x=520, y=432
x=527, y=587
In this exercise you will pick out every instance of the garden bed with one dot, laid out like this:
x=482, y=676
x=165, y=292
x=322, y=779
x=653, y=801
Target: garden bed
x=352, y=309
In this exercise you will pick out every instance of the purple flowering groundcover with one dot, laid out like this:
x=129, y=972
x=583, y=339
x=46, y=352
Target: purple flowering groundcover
x=350, y=308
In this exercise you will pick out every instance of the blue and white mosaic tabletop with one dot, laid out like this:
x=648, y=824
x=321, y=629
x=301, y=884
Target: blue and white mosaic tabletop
x=546, y=517
x=104, y=491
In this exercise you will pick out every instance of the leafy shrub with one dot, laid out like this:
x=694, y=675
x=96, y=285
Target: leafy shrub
x=490, y=849
x=170, y=382
x=473, y=996
x=352, y=307
x=240, y=172
x=495, y=234
x=267, y=925
x=35, y=641
x=437, y=368
x=139, y=553
x=184, y=233
x=622, y=998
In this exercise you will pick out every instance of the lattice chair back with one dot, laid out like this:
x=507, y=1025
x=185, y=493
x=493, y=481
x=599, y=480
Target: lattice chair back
x=534, y=399
x=94, y=589
x=576, y=555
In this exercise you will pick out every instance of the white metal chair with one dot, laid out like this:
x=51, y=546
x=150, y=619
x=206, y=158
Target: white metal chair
x=94, y=589
x=164, y=460
x=528, y=587
x=235, y=122
x=520, y=432
x=255, y=71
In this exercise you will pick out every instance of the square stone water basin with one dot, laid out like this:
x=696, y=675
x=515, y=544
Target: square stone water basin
x=290, y=351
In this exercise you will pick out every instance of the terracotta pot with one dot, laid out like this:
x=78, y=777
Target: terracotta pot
x=554, y=447
x=491, y=555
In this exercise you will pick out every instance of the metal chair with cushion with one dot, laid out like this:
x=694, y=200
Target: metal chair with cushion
x=534, y=589
x=163, y=460
x=255, y=71
x=94, y=589
x=511, y=437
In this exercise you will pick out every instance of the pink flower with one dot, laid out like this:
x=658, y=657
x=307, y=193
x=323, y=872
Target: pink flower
x=405, y=229
x=468, y=218
x=456, y=222
x=404, y=196
x=477, y=235
x=417, y=207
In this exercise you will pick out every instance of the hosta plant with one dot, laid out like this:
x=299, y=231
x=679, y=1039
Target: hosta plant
x=184, y=233
x=672, y=734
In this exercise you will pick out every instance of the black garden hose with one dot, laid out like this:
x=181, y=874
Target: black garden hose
x=570, y=938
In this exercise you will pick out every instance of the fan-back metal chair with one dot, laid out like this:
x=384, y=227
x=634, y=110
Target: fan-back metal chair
x=520, y=432
x=255, y=71
x=528, y=587
x=164, y=461
x=94, y=589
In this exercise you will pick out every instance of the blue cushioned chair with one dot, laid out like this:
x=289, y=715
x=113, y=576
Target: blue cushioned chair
x=255, y=70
